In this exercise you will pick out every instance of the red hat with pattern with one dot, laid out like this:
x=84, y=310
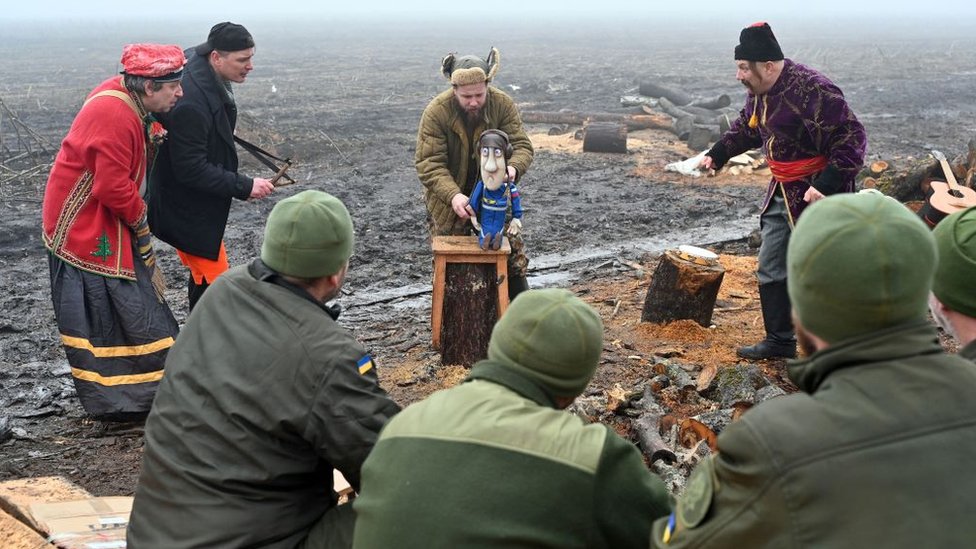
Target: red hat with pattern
x=154, y=61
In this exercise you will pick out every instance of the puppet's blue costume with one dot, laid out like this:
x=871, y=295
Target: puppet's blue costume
x=490, y=207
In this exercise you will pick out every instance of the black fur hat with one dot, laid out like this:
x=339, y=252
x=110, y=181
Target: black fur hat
x=757, y=43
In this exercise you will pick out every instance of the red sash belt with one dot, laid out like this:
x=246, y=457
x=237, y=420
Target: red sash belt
x=795, y=170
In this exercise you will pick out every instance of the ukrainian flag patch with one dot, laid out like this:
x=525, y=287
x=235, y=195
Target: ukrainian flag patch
x=365, y=364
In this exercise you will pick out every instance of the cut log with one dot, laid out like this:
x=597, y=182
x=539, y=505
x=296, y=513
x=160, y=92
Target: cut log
x=869, y=183
x=701, y=136
x=685, y=285
x=878, y=167
x=910, y=180
x=470, y=312
x=680, y=112
x=683, y=126
x=708, y=115
x=470, y=293
x=693, y=431
x=675, y=96
x=608, y=137
x=724, y=122
x=652, y=120
x=648, y=428
x=716, y=103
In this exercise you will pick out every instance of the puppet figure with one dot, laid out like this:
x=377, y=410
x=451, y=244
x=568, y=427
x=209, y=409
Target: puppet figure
x=492, y=194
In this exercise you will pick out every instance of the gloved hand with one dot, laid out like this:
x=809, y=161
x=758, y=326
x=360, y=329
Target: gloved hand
x=144, y=243
x=145, y=249
x=514, y=227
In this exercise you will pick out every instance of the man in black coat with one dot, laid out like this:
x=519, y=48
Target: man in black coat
x=195, y=174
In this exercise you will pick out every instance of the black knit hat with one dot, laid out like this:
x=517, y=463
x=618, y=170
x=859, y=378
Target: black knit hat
x=757, y=43
x=226, y=36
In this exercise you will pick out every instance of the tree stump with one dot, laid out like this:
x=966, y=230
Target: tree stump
x=470, y=312
x=605, y=137
x=684, y=286
x=470, y=293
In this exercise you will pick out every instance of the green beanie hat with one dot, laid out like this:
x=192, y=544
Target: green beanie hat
x=858, y=263
x=955, y=239
x=308, y=235
x=552, y=337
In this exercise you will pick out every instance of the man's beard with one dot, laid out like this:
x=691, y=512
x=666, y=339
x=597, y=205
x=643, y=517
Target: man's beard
x=475, y=116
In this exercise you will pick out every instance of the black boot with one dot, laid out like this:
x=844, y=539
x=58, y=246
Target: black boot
x=516, y=285
x=780, y=341
x=194, y=290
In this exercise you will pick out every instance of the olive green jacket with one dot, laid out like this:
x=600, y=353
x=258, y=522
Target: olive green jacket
x=969, y=351
x=491, y=463
x=444, y=152
x=264, y=395
x=876, y=451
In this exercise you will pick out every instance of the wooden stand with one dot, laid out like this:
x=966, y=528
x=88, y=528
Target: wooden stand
x=684, y=286
x=470, y=295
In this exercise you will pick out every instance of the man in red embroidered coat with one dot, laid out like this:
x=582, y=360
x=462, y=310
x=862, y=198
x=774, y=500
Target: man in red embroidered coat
x=814, y=146
x=115, y=326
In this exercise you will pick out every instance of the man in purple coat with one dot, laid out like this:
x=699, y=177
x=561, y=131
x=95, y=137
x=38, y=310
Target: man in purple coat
x=814, y=146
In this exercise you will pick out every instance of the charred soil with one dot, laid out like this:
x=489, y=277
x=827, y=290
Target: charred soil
x=345, y=107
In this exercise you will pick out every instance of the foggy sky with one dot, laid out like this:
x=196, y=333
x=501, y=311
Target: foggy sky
x=494, y=12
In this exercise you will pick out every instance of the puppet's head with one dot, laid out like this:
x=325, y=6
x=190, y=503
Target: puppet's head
x=495, y=151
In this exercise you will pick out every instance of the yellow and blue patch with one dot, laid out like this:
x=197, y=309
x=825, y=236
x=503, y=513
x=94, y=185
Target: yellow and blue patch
x=669, y=530
x=364, y=364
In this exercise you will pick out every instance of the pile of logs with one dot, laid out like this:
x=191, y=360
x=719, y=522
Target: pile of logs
x=699, y=122
x=602, y=132
x=908, y=179
x=672, y=442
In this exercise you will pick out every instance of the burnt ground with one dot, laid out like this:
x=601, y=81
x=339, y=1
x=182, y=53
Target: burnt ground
x=344, y=100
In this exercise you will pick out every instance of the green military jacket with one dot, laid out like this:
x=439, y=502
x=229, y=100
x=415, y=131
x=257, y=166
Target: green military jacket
x=969, y=351
x=491, y=463
x=445, y=153
x=875, y=452
x=264, y=394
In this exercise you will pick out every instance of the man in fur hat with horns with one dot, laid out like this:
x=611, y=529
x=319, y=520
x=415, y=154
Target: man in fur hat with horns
x=447, y=154
x=814, y=146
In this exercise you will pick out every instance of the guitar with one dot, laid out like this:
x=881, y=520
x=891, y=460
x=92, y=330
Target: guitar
x=946, y=197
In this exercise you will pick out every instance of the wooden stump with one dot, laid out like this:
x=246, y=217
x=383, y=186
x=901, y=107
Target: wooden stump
x=470, y=312
x=701, y=136
x=605, y=137
x=470, y=294
x=684, y=286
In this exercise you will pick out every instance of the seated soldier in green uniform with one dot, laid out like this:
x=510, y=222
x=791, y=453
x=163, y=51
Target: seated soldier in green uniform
x=875, y=449
x=953, y=299
x=264, y=395
x=496, y=462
